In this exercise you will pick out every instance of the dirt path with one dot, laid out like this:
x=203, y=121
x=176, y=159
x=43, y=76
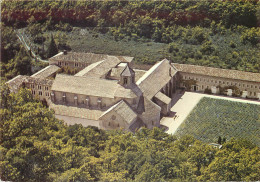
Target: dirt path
x=185, y=103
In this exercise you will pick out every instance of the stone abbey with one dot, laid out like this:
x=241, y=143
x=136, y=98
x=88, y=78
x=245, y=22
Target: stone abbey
x=107, y=92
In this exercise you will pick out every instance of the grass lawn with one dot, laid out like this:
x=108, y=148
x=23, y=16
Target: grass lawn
x=212, y=118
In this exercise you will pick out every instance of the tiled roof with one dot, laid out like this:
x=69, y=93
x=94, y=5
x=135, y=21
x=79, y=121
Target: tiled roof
x=155, y=78
x=124, y=110
x=88, y=68
x=86, y=57
x=104, y=67
x=162, y=97
x=116, y=72
x=46, y=72
x=101, y=68
x=128, y=71
x=217, y=72
x=150, y=109
x=139, y=74
x=76, y=112
x=91, y=86
x=16, y=82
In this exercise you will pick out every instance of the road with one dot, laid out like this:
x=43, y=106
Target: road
x=21, y=36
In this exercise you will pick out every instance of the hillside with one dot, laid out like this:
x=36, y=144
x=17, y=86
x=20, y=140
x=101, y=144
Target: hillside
x=221, y=34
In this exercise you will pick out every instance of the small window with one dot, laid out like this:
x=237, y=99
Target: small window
x=118, y=125
x=125, y=81
x=108, y=123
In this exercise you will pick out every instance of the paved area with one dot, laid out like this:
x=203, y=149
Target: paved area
x=184, y=103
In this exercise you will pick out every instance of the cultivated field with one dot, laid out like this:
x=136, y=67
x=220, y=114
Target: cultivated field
x=212, y=118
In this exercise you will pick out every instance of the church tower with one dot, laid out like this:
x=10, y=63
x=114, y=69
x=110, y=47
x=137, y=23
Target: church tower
x=127, y=77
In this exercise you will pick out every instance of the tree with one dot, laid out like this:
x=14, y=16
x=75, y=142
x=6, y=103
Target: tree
x=52, y=49
x=219, y=140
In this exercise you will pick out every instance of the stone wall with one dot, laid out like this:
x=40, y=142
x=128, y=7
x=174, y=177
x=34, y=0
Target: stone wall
x=203, y=82
x=93, y=102
x=40, y=91
x=112, y=121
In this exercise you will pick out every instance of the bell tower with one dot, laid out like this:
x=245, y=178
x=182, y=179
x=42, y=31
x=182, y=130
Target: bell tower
x=127, y=77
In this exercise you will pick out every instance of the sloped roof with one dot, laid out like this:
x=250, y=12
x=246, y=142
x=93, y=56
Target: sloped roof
x=46, y=72
x=76, y=111
x=155, y=78
x=162, y=97
x=116, y=72
x=16, y=82
x=91, y=86
x=128, y=72
x=86, y=57
x=139, y=73
x=102, y=68
x=150, y=108
x=217, y=72
x=136, y=125
x=123, y=110
x=88, y=68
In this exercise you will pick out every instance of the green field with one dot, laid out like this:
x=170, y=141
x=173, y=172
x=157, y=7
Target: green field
x=212, y=118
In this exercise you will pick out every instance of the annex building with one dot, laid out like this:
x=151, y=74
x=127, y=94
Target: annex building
x=107, y=92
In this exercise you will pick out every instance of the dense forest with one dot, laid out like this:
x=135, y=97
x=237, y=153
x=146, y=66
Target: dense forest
x=221, y=34
x=35, y=146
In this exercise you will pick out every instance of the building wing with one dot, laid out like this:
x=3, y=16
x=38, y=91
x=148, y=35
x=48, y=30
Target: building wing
x=156, y=78
x=123, y=110
x=90, y=86
x=217, y=72
x=46, y=72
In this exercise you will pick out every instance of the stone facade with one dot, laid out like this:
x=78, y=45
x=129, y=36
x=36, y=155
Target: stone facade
x=209, y=82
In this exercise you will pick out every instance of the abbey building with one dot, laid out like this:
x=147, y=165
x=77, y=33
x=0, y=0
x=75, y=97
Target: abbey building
x=107, y=92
